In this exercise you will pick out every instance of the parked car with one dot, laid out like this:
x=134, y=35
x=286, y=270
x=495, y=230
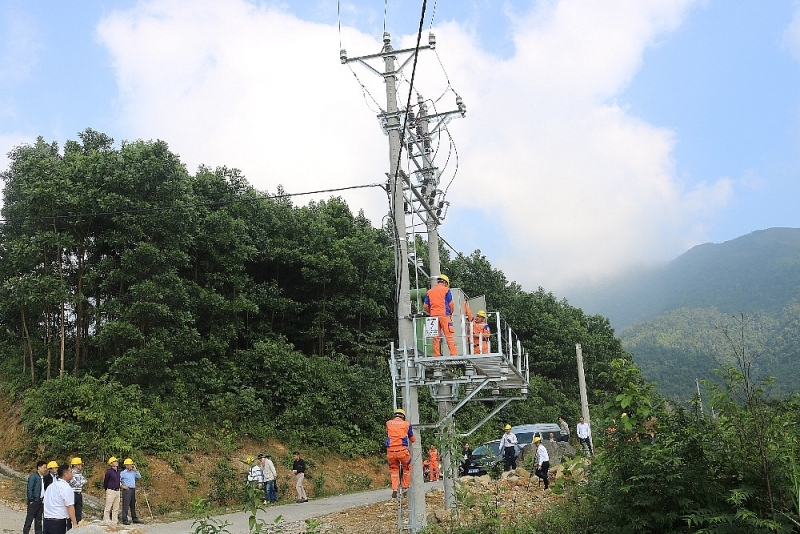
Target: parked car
x=526, y=433
x=487, y=456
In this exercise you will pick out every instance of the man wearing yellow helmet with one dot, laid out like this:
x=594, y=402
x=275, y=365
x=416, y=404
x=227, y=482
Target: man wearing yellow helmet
x=77, y=483
x=111, y=485
x=508, y=444
x=439, y=303
x=127, y=483
x=52, y=474
x=479, y=333
x=399, y=435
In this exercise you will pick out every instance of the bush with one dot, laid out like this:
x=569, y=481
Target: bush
x=96, y=416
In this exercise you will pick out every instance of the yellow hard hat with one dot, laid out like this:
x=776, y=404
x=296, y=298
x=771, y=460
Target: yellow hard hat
x=508, y=427
x=127, y=461
x=481, y=313
x=400, y=411
x=445, y=278
x=624, y=414
x=537, y=439
x=76, y=461
x=112, y=460
x=52, y=465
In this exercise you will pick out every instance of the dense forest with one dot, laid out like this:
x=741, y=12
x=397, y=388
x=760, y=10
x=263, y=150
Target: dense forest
x=136, y=296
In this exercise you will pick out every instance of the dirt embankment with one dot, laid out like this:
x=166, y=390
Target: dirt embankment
x=171, y=482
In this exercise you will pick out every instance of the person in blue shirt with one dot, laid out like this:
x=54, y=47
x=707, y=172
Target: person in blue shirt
x=127, y=483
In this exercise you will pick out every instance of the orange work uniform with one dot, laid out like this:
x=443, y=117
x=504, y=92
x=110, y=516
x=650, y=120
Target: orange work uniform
x=479, y=335
x=439, y=303
x=399, y=435
x=433, y=457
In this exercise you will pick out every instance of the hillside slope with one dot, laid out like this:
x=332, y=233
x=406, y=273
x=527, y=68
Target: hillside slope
x=673, y=318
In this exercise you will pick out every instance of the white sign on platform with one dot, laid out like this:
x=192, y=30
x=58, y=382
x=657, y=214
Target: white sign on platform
x=431, y=327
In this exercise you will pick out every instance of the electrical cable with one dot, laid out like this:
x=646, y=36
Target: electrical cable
x=365, y=92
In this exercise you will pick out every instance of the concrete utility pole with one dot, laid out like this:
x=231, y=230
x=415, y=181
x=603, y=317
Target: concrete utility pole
x=582, y=385
x=419, y=143
x=405, y=330
x=430, y=182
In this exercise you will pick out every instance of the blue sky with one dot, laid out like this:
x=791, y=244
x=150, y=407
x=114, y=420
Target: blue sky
x=600, y=134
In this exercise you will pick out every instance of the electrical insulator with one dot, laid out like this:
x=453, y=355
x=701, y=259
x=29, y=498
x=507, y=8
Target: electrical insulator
x=461, y=106
x=343, y=56
x=410, y=115
x=427, y=145
x=386, y=38
x=432, y=40
x=410, y=146
x=441, y=204
x=406, y=208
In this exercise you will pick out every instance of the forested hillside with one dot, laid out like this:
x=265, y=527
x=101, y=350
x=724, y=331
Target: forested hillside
x=683, y=309
x=137, y=297
x=758, y=272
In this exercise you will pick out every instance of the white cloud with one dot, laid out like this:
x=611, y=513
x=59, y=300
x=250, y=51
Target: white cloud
x=791, y=37
x=228, y=83
x=580, y=187
x=20, y=44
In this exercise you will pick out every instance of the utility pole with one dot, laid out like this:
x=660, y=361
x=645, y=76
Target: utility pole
x=415, y=134
x=430, y=184
x=582, y=385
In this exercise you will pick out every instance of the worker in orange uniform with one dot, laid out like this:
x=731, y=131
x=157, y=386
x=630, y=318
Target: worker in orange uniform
x=479, y=333
x=399, y=435
x=433, y=456
x=439, y=303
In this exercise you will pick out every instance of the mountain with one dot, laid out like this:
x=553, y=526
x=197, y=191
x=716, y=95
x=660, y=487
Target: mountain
x=674, y=317
x=756, y=272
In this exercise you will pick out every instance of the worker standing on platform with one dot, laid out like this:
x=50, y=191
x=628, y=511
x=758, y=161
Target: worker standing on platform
x=433, y=456
x=479, y=333
x=399, y=435
x=439, y=303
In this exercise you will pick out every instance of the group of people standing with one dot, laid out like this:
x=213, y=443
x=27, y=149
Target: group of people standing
x=263, y=475
x=55, y=495
x=118, y=484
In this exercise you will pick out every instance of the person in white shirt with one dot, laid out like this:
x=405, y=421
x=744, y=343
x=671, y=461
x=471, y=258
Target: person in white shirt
x=508, y=445
x=255, y=478
x=584, y=435
x=59, y=503
x=542, y=461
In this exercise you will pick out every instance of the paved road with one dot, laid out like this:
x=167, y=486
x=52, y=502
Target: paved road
x=289, y=512
x=11, y=520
